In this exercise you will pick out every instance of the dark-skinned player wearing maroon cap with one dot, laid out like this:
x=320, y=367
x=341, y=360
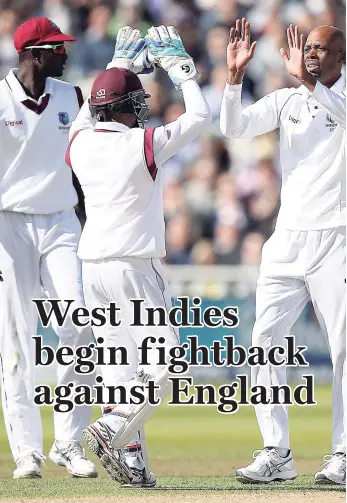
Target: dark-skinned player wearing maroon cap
x=39, y=233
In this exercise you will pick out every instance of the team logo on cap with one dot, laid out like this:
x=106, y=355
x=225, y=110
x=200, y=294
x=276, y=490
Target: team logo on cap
x=54, y=25
x=101, y=93
x=64, y=118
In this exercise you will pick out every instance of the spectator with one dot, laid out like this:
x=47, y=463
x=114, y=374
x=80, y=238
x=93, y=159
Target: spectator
x=179, y=238
x=95, y=49
x=264, y=203
x=214, y=146
x=251, y=249
x=229, y=210
x=59, y=11
x=174, y=201
x=199, y=189
x=216, y=41
x=227, y=244
x=224, y=12
x=8, y=54
x=128, y=13
x=203, y=253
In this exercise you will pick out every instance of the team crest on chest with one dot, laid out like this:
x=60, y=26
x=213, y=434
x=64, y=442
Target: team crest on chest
x=331, y=123
x=64, y=118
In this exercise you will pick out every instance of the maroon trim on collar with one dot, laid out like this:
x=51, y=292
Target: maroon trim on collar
x=35, y=107
x=149, y=152
x=79, y=96
x=105, y=131
x=67, y=154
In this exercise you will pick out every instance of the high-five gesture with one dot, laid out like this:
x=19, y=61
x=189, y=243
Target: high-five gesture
x=294, y=61
x=239, y=51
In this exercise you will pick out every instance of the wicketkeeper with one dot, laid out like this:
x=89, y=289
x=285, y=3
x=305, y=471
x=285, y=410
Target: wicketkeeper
x=118, y=164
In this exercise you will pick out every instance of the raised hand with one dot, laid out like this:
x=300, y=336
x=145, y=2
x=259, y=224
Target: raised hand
x=294, y=61
x=130, y=51
x=166, y=49
x=240, y=51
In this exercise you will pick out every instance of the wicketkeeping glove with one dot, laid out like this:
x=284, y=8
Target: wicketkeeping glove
x=130, y=52
x=166, y=49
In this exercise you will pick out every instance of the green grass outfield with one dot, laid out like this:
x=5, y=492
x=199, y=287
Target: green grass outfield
x=193, y=450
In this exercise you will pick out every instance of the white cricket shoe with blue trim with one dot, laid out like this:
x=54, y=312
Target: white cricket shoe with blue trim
x=268, y=466
x=29, y=467
x=71, y=456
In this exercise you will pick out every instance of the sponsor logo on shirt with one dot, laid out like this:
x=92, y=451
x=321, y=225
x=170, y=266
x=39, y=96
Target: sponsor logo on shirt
x=13, y=123
x=331, y=123
x=293, y=119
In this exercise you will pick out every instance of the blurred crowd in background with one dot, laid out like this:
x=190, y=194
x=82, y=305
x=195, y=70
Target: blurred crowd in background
x=221, y=196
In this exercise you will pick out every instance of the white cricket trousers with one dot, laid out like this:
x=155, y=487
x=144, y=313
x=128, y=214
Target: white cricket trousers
x=119, y=280
x=297, y=266
x=37, y=252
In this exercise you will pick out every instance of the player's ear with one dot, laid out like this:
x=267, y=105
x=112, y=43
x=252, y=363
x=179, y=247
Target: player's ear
x=342, y=57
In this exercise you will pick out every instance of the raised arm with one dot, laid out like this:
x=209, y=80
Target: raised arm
x=256, y=119
x=167, y=51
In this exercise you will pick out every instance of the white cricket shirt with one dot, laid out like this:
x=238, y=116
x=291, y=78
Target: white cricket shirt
x=34, y=177
x=119, y=170
x=312, y=148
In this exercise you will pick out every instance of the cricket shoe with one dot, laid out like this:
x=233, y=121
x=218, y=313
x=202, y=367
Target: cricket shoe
x=71, y=455
x=29, y=467
x=334, y=470
x=267, y=467
x=142, y=478
x=98, y=436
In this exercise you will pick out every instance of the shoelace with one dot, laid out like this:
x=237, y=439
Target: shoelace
x=329, y=459
x=72, y=450
x=34, y=457
x=326, y=460
x=263, y=455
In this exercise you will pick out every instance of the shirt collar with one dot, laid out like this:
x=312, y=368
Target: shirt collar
x=18, y=90
x=111, y=126
x=337, y=88
x=339, y=85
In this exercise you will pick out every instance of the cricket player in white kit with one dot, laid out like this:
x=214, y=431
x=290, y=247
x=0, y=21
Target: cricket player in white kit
x=39, y=233
x=305, y=257
x=118, y=164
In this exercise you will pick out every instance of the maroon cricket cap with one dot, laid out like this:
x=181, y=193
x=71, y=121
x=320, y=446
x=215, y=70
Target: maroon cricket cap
x=37, y=31
x=110, y=85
